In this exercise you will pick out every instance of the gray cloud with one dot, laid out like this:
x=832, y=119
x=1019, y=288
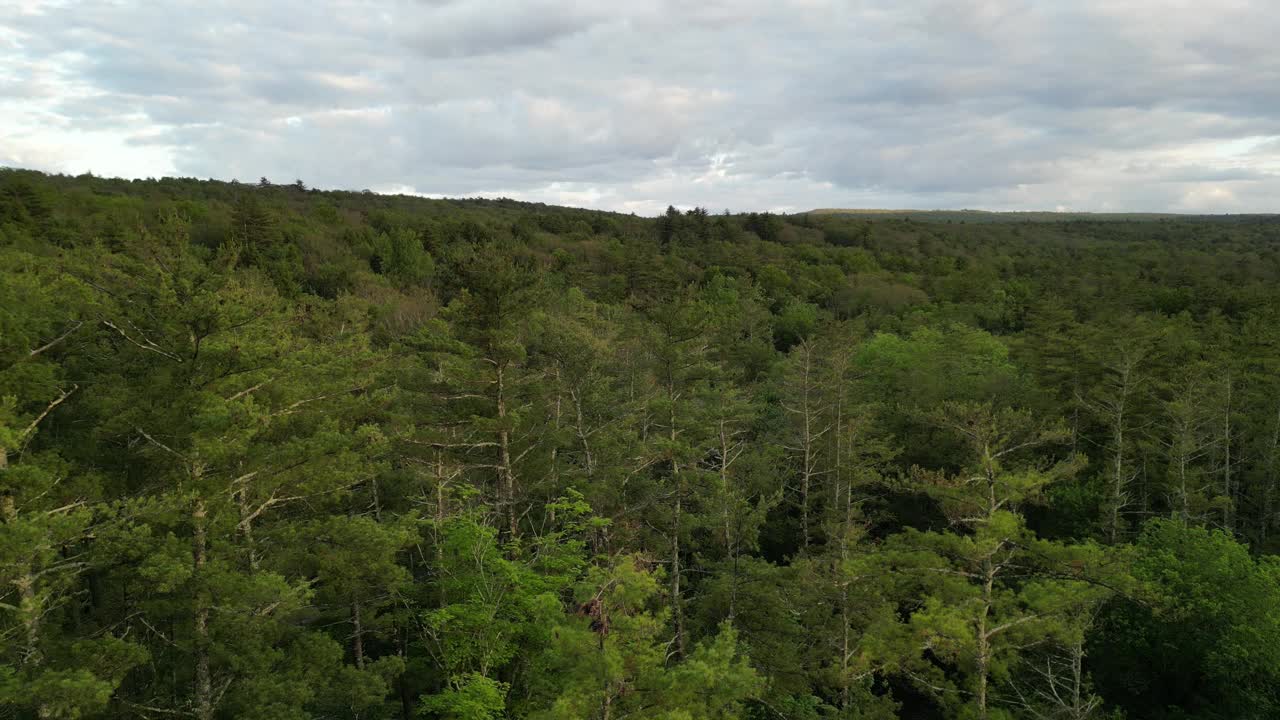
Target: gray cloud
x=487, y=27
x=1019, y=104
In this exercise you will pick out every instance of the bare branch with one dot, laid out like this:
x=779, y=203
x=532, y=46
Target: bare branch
x=145, y=345
x=161, y=445
x=450, y=446
x=30, y=429
x=56, y=340
x=292, y=408
x=1012, y=623
x=247, y=391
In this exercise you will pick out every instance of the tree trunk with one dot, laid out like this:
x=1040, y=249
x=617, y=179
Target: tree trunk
x=441, y=512
x=677, y=606
x=25, y=583
x=1228, y=490
x=555, y=446
x=1118, y=479
x=807, y=441
x=984, y=640
x=246, y=527
x=204, y=682
x=1183, y=489
x=506, y=476
x=989, y=570
x=1269, y=493
x=583, y=435
x=357, y=634
x=1078, y=710
x=727, y=519
x=842, y=500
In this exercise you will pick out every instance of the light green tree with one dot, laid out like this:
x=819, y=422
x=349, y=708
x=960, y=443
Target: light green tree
x=610, y=658
x=991, y=587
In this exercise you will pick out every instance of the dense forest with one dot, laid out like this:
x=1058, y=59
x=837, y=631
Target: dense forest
x=270, y=452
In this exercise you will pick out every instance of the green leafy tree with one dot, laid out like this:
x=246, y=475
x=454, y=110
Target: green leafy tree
x=47, y=501
x=1209, y=612
x=984, y=600
x=609, y=658
x=679, y=368
x=237, y=418
x=1116, y=398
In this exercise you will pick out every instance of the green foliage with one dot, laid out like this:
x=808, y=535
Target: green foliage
x=608, y=658
x=997, y=588
x=1211, y=612
x=272, y=452
x=469, y=697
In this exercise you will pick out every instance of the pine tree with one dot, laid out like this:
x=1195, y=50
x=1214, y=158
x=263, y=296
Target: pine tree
x=675, y=347
x=610, y=659
x=984, y=601
x=1116, y=400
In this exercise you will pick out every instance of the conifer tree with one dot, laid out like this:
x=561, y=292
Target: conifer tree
x=998, y=587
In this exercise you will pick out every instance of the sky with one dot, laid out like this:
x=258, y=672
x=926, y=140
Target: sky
x=784, y=105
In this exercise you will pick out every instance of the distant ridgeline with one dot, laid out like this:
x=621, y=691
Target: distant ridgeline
x=988, y=216
x=273, y=452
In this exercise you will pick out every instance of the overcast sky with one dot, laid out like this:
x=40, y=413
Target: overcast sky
x=631, y=105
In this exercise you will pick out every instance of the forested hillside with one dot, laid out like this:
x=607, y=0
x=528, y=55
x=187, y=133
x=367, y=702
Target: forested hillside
x=268, y=452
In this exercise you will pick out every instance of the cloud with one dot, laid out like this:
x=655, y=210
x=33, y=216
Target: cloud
x=744, y=104
x=486, y=27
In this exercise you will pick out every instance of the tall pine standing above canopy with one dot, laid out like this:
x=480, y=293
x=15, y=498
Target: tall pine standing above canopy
x=995, y=588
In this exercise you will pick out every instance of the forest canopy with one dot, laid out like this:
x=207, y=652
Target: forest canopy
x=273, y=452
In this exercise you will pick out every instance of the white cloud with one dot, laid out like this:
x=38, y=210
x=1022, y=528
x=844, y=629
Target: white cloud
x=745, y=104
